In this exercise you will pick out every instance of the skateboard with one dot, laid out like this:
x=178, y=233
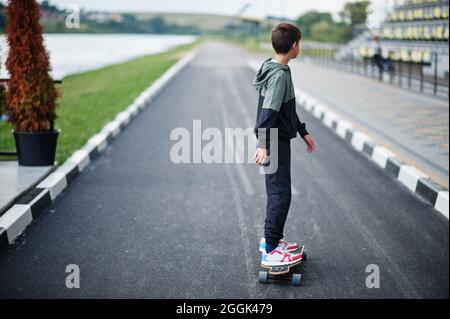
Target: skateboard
x=283, y=273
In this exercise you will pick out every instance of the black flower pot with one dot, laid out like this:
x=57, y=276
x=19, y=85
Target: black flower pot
x=36, y=148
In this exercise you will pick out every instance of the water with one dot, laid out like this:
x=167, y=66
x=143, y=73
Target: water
x=74, y=53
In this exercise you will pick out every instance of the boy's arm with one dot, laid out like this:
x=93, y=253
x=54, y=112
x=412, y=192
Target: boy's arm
x=301, y=128
x=276, y=88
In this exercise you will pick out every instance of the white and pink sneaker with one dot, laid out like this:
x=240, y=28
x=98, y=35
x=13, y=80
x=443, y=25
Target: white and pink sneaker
x=282, y=244
x=279, y=257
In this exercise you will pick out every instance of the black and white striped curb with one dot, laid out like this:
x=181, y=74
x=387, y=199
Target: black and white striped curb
x=22, y=213
x=412, y=178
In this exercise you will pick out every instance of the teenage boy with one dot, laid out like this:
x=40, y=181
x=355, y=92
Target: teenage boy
x=276, y=110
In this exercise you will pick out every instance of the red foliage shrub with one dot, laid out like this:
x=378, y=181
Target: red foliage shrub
x=31, y=94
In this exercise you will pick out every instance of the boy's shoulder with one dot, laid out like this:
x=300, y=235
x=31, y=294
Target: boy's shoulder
x=280, y=74
x=282, y=77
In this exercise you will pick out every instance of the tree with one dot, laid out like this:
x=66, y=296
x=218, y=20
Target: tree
x=331, y=32
x=306, y=21
x=158, y=24
x=320, y=26
x=31, y=95
x=355, y=12
x=47, y=6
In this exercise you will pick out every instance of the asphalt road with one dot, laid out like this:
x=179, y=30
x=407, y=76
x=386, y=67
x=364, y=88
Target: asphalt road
x=138, y=225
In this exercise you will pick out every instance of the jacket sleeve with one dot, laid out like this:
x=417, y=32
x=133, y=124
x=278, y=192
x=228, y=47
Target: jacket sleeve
x=301, y=128
x=274, y=95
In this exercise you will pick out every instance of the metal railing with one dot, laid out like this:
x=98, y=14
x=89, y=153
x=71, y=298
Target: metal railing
x=408, y=75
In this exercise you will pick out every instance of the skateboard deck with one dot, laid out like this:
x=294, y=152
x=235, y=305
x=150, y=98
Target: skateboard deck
x=283, y=273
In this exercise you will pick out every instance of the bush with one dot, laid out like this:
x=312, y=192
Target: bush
x=31, y=94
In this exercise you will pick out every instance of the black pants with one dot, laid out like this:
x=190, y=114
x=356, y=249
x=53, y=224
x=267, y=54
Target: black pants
x=377, y=59
x=278, y=189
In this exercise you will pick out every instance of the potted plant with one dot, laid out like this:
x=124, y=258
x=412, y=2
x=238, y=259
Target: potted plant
x=31, y=94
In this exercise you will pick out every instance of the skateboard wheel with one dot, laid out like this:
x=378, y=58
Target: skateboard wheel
x=263, y=277
x=296, y=279
x=304, y=255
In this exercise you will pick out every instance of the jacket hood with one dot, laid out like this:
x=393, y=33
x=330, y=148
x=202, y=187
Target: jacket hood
x=267, y=70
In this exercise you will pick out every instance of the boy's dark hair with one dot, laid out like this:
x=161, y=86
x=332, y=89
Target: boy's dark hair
x=284, y=35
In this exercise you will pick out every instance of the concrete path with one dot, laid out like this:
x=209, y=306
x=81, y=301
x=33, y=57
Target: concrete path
x=16, y=180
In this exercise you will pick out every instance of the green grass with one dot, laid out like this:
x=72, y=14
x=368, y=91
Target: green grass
x=92, y=99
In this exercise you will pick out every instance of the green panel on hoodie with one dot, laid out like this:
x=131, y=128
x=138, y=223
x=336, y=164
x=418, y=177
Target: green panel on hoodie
x=274, y=82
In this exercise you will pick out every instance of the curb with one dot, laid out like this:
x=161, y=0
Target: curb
x=409, y=176
x=20, y=215
x=5, y=208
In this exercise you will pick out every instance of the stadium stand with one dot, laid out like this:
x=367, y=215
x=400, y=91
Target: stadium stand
x=414, y=42
x=414, y=32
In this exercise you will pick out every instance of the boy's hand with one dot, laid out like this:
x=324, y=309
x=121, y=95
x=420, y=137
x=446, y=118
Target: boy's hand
x=260, y=156
x=311, y=146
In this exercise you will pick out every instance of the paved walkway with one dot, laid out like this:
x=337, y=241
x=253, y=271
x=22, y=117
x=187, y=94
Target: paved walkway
x=414, y=126
x=138, y=225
